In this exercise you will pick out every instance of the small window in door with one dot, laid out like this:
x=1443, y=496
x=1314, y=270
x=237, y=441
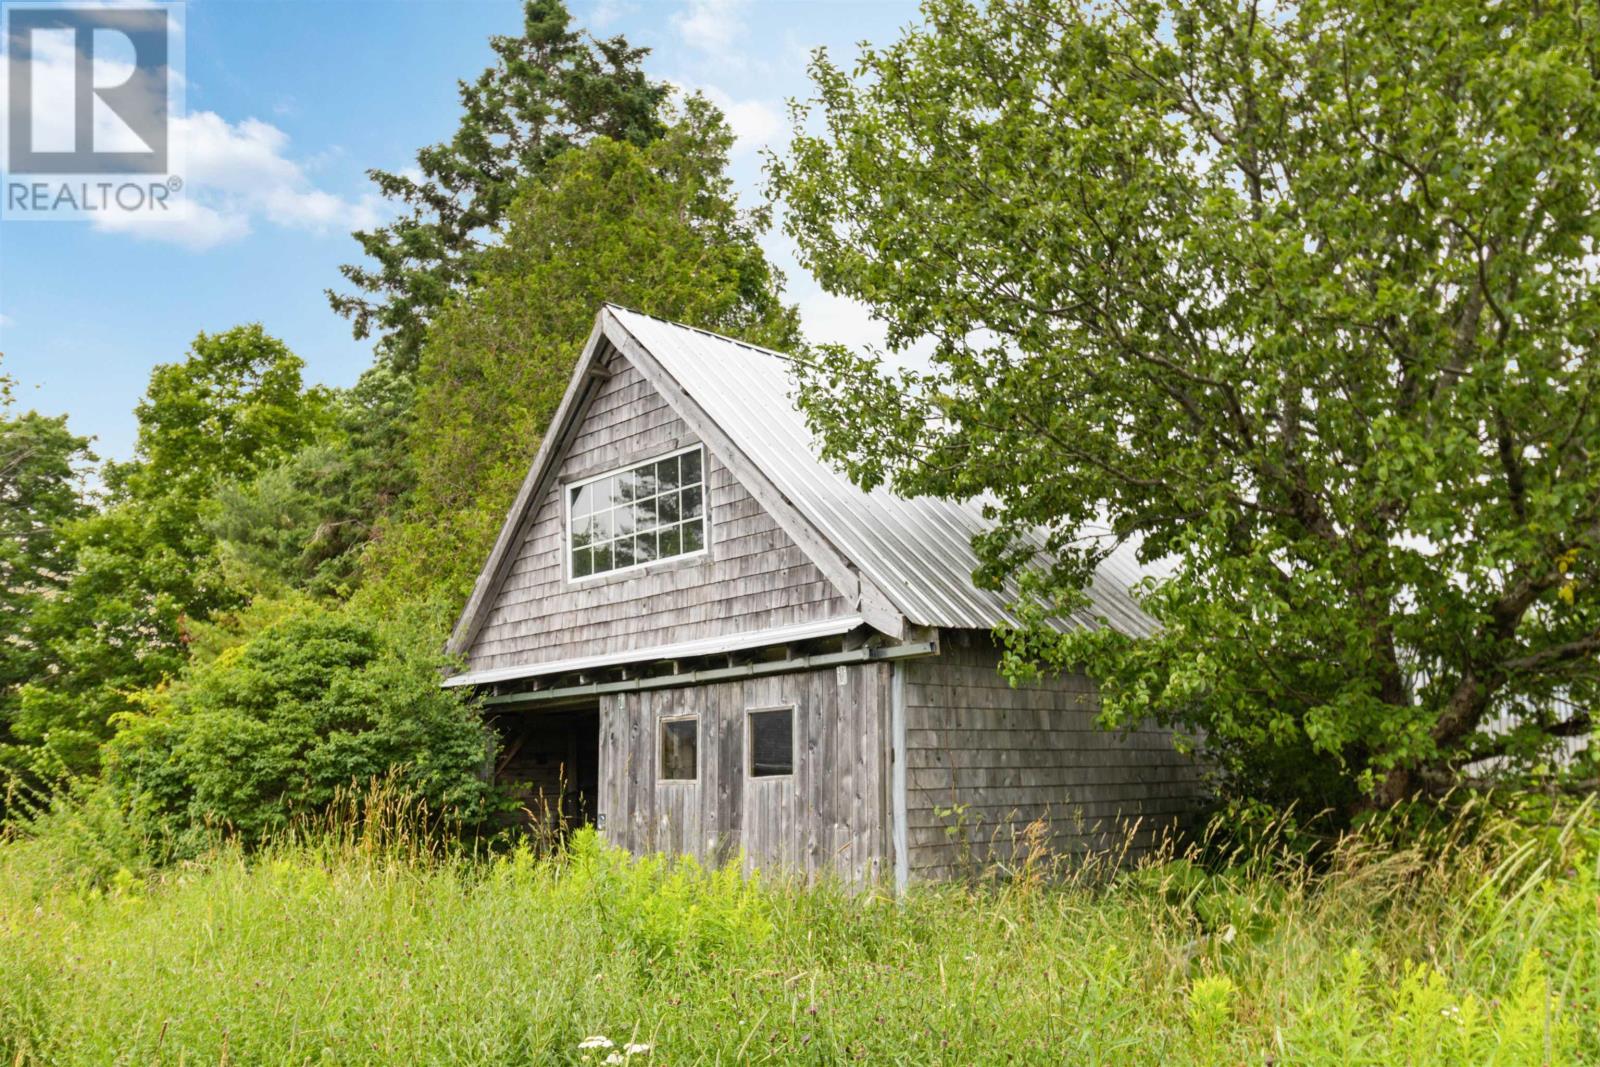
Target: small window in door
x=771, y=735
x=680, y=749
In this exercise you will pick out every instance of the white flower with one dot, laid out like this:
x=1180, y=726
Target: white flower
x=1450, y=1011
x=1228, y=935
x=635, y=1050
x=615, y=1057
x=598, y=1041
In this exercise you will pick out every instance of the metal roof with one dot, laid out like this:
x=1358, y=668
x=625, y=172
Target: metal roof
x=917, y=551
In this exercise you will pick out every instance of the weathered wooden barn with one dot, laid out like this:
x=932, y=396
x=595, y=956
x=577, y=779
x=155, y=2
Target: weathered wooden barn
x=712, y=642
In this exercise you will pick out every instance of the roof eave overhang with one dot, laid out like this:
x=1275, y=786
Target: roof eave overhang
x=683, y=650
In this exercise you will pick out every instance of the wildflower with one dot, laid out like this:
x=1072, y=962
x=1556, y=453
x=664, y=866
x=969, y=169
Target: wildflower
x=1228, y=935
x=615, y=1057
x=634, y=1049
x=1450, y=1011
x=598, y=1041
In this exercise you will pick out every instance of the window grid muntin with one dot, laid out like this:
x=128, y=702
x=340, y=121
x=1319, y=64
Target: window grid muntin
x=619, y=515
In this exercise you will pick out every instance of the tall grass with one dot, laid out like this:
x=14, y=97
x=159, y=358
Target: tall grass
x=1478, y=943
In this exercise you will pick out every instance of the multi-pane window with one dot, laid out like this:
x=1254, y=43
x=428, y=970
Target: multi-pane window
x=680, y=749
x=771, y=742
x=635, y=516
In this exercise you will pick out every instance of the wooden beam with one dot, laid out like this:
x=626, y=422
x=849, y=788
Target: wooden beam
x=512, y=701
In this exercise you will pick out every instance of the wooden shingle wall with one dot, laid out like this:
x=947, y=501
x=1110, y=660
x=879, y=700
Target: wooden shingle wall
x=832, y=814
x=1005, y=757
x=755, y=577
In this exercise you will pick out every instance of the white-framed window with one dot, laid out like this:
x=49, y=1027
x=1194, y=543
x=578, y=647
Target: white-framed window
x=679, y=758
x=636, y=515
x=769, y=741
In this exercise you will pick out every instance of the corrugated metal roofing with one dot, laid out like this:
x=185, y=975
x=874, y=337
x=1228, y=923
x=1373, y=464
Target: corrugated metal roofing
x=917, y=551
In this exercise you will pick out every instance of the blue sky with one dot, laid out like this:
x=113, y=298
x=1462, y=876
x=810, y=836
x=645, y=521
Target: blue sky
x=289, y=103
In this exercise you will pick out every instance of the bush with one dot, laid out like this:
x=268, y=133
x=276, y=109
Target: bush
x=327, y=951
x=286, y=722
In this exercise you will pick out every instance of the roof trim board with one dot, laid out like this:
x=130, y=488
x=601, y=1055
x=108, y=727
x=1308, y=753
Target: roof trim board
x=586, y=376
x=900, y=563
x=877, y=609
x=705, y=646
x=844, y=575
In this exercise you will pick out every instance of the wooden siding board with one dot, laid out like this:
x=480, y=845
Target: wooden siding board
x=755, y=576
x=828, y=817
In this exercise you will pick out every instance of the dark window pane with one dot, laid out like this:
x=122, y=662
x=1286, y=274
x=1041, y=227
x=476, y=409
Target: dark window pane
x=622, y=553
x=693, y=536
x=622, y=521
x=691, y=503
x=671, y=543
x=667, y=510
x=645, y=478
x=644, y=547
x=581, y=563
x=771, y=742
x=602, y=558
x=689, y=468
x=680, y=750
x=583, y=500
x=667, y=474
x=644, y=515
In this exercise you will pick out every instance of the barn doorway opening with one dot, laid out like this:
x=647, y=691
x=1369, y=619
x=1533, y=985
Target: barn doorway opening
x=550, y=760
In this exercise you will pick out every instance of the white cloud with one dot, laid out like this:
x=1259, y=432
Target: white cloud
x=192, y=224
x=607, y=13
x=239, y=173
x=838, y=320
x=235, y=174
x=6, y=320
x=710, y=25
x=754, y=122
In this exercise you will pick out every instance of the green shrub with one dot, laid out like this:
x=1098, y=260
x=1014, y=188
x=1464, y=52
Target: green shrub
x=287, y=722
x=328, y=951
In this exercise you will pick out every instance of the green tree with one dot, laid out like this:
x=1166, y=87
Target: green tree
x=655, y=228
x=1300, y=297
x=235, y=404
x=549, y=89
x=145, y=568
x=42, y=471
x=304, y=523
x=312, y=704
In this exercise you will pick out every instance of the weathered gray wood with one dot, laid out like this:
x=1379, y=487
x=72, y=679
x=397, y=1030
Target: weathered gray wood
x=1006, y=757
x=859, y=591
x=580, y=393
x=829, y=816
x=755, y=576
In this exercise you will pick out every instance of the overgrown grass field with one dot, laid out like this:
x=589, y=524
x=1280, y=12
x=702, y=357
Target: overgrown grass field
x=1476, y=948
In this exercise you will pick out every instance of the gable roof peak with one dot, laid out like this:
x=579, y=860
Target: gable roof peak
x=901, y=561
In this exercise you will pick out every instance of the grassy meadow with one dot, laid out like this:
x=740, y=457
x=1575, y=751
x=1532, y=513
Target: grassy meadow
x=1475, y=947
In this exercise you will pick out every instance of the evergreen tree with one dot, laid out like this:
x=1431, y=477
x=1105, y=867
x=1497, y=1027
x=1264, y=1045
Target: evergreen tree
x=655, y=228
x=549, y=89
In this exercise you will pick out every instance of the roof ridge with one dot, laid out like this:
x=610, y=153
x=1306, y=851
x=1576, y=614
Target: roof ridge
x=787, y=356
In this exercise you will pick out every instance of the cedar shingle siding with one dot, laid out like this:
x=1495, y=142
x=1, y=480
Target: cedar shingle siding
x=802, y=603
